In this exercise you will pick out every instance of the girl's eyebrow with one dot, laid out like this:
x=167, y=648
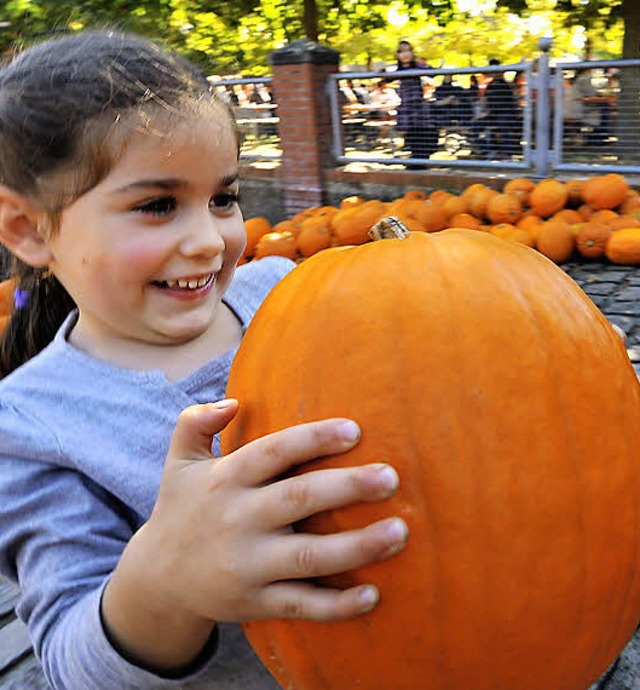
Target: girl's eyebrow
x=169, y=183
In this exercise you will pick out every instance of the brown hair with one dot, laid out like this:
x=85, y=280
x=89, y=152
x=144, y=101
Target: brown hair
x=67, y=106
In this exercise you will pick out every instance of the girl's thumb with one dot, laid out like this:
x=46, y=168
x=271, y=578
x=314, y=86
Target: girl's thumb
x=196, y=427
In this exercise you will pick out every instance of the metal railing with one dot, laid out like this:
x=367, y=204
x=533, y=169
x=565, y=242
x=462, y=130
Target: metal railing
x=454, y=125
x=572, y=116
x=576, y=116
x=596, y=116
x=256, y=113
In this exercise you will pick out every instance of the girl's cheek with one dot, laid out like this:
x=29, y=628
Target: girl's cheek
x=235, y=243
x=145, y=256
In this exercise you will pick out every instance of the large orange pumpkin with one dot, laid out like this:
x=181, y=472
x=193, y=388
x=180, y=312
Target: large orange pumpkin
x=511, y=411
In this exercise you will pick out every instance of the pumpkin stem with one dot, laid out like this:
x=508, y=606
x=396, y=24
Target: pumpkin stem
x=390, y=228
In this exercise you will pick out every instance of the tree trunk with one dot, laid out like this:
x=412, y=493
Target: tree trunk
x=311, y=19
x=627, y=106
x=631, y=40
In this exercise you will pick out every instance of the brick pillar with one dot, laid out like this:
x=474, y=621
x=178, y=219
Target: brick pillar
x=299, y=72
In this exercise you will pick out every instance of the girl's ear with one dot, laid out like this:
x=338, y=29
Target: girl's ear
x=19, y=229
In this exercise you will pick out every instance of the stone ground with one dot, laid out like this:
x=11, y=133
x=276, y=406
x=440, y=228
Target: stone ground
x=614, y=289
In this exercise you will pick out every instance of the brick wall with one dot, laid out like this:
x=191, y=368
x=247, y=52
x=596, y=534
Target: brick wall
x=300, y=72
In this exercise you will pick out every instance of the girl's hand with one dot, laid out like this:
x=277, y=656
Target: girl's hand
x=220, y=534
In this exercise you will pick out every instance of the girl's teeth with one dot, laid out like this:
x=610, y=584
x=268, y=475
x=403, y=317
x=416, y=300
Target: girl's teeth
x=190, y=284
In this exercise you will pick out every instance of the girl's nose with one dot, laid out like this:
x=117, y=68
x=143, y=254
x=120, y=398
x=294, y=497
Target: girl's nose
x=202, y=236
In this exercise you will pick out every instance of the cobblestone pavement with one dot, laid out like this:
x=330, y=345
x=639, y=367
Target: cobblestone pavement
x=616, y=291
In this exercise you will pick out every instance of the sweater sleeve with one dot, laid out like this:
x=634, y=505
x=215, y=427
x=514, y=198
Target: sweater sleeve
x=61, y=537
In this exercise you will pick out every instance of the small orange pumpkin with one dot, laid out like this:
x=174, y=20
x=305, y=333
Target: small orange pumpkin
x=513, y=233
x=592, y=238
x=503, y=208
x=548, y=197
x=276, y=244
x=255, y=229
x=556, y=240
x=314, y=236
x=605, y=191
x=464, y=220
x=623, y=247
x=455, y=205
x=521, y=188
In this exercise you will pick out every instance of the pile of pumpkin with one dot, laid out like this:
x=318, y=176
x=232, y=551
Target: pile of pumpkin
x=596, y=218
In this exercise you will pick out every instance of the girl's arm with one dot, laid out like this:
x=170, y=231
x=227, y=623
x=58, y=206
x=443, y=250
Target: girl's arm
x=219, y=544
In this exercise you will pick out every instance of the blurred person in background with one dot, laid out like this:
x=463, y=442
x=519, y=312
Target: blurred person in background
x=503, y=115
x=414, y=117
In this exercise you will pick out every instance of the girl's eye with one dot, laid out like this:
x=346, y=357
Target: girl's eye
x=225, y=201
x=162, y=206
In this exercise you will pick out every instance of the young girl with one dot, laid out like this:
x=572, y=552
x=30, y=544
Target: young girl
x=131, y=540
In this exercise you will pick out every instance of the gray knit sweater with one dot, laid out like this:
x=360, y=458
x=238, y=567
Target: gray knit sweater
x=82, y=446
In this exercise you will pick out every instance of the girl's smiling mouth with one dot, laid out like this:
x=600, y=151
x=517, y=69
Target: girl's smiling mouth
x=187, y=285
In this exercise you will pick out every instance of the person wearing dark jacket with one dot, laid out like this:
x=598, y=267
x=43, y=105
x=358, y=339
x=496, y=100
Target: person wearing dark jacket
x=414, y=118
x=503, y=115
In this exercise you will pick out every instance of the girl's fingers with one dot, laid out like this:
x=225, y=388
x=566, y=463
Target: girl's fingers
x=290, y=500
x=302, y=556
x=195, y=428
x=302, y=600
x=269, y=456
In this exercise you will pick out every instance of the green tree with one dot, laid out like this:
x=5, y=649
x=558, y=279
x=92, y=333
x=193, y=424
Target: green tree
x=597, y=17
x=226, y=38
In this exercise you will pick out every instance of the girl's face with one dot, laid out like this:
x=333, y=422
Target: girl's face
x=405, y=54
x=148, y=253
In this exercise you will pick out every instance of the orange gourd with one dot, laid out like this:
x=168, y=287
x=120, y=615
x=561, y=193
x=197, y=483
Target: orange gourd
x=314, y=236
x=520, y=187
x=623, y=247
x=592, y=238
x=415, y=195
x=255, y=229
x=276, y=244
x=351, y=226
x=516, y=441
x=454, y=206
x=465, y=220
x=574, y=193
x=431, y=216
x=350, y=201
x=513, y=233
x=548, y=197
x=605, y=191
x=630, y=203
x=503, y=208
x=569, y=215
x=556, y=240
x=7, y=288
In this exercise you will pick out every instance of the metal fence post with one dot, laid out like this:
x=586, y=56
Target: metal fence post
x=543, y=109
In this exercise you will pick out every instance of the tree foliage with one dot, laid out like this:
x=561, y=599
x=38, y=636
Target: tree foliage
x=236, y=37
x=597, y=17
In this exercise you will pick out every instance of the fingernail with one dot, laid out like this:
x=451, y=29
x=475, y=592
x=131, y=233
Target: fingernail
x=369, y=597
x=397, y=531
x=222, y=404
x=388, y=477
x=349, y=431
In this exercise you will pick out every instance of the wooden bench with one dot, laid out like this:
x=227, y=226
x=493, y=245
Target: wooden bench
x=19, y=669
x=257, y=126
